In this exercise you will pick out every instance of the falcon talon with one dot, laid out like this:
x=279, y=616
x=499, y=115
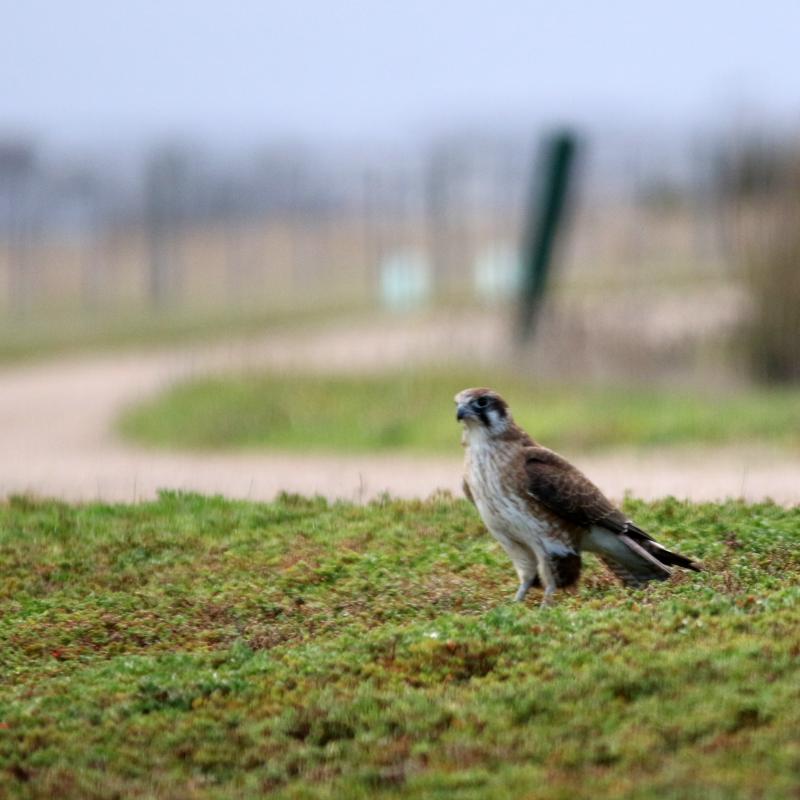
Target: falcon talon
x=524, y=587
x=545, y=512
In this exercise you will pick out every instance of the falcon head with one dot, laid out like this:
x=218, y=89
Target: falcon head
x=482, y=409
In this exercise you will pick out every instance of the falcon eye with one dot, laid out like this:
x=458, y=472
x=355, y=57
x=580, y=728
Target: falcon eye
x=482, y=402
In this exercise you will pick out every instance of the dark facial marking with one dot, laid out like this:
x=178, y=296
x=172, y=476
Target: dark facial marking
x=484, y=404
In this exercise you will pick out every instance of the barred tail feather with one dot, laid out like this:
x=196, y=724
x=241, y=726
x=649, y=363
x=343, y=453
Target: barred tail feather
x=633, y=556
x=626, y=559
x=667, y=557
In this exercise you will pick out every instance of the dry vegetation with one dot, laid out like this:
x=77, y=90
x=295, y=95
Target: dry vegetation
x=765, y=186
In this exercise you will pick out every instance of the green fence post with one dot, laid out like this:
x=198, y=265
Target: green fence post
x=544, y=221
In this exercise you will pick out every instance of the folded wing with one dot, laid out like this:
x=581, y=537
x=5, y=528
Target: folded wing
x=629, y=552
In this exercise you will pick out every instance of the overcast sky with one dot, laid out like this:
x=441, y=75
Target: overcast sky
x=353, y=70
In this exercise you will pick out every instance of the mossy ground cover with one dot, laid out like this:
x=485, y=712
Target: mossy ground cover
x=195, y=647
x=413, y=412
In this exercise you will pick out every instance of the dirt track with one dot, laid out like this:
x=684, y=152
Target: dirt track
x=56, y=429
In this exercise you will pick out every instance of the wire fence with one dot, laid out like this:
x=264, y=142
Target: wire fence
x=652, y=257
x=289, y=227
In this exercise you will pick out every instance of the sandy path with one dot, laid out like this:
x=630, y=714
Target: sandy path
x=56, y=422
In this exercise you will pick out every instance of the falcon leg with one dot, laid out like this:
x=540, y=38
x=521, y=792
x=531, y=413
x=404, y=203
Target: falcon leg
x=548, y=581
x=547, y=600
x=525, y=564
x=524, y=585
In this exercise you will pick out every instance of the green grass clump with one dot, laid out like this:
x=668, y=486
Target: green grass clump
x=195, y=647
x=58, y=333
x=414, y=412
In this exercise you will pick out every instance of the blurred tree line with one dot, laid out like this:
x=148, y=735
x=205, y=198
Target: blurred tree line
x=761, y=181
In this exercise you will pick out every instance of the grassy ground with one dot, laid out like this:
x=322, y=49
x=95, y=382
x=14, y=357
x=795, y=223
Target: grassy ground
x=414, y=412
x=62, y=333
x=200, y=648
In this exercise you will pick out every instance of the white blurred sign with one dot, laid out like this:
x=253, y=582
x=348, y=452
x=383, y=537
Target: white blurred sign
x=405, y=281
x=497, y=272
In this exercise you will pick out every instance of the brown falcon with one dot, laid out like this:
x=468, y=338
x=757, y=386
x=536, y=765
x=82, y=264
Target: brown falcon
x=545, y=512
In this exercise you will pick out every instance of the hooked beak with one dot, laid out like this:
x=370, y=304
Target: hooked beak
x=464, y=411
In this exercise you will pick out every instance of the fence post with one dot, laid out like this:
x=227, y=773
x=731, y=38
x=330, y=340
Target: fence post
x=544, y=220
